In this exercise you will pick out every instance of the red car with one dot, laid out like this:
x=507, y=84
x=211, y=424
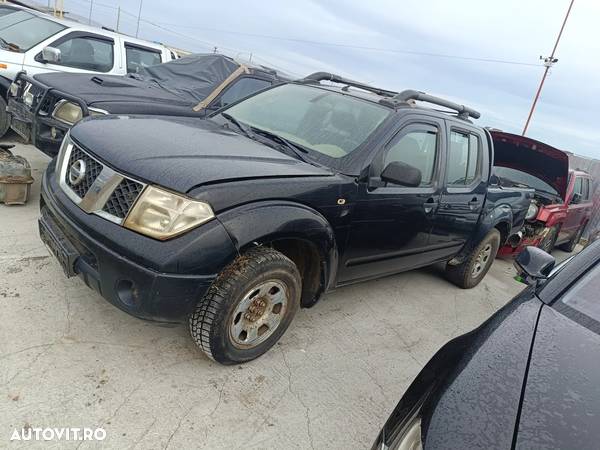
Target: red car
x=563, y=198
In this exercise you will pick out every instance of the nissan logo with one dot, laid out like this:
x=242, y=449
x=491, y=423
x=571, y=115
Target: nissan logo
x=77, y=172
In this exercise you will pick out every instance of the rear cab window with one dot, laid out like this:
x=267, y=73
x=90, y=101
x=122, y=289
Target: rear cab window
x=139, y=57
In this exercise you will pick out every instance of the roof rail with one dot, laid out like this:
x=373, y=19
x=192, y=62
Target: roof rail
x=464, y=112
x=326, y=76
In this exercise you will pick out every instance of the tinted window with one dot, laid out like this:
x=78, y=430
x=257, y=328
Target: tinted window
x=86, y=53
x=242, y=88
x=418, y=148
x=463, y=159
x=24, y=30
x=325, y=122
x=138, y=58
x=585, y=189
x=581, y=302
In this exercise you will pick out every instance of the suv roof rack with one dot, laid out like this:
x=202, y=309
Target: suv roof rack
x=464, y=112
x=326, y=76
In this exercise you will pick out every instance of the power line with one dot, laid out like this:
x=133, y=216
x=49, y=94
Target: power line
x=358, y=47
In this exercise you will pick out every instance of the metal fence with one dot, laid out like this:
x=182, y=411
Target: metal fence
x=591, y=166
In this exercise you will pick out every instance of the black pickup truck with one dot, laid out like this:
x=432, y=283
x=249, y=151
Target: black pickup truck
x=235, y=222
x=44, y=107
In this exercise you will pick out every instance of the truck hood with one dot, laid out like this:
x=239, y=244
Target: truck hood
x=183, y=153
x=533, y=157
x=95, y=88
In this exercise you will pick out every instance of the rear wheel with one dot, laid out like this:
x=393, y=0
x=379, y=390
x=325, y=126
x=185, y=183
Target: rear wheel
x=470, y=272
x=570, y=246
x=547, y=244
x=248, y=307
x=4, y=117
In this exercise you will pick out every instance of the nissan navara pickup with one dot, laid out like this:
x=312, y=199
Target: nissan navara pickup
x=235, y=222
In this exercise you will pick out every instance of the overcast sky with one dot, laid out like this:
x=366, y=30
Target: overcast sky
x=275, y=32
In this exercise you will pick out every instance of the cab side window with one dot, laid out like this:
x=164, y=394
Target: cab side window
x=463, y=159
x=240, y=89
x=416, y=146
x=577, y=191
x=138, y=58
x=87, y=53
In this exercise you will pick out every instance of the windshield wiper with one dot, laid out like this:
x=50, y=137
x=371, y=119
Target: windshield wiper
x=9, y=45
x=243, y=127
x=296, y=150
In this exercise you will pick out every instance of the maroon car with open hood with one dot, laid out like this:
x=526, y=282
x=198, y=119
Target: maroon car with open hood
x=563, y=197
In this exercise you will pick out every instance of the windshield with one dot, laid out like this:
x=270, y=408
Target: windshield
x=22, y=30
x=513, y=177
x=328, y=124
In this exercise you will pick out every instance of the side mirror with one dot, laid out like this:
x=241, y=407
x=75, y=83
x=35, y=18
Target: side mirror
x=533, y=264
x=576, y=199
x=51, y=55
x=401, y=173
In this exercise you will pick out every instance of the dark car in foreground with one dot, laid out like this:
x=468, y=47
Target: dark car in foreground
x=528, y=378
x=235, y=222
x=44, y=107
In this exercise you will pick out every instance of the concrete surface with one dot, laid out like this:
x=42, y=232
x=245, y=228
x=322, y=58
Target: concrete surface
x=69, y=359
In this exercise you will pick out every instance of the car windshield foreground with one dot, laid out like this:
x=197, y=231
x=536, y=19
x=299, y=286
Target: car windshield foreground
x=329, y=124
x=526, y=379
x=236, y=222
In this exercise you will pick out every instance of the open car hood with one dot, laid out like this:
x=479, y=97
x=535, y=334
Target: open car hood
x=533, y=157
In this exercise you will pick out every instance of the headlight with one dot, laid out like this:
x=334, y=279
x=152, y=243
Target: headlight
x=532, y=211
x=13, y=89
x=68, y=112
x=71, y=113
x=162, y=214
x=27, y=96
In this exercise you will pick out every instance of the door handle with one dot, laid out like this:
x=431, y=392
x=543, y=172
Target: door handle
x=429, y=205
x=474, y=203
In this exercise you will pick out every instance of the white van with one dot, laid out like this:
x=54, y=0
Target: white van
x=38, y=43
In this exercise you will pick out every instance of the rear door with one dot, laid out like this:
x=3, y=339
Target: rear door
x=464, y=188
x=578, y=208
x=391, y=223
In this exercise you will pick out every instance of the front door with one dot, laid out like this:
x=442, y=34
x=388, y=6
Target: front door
x=391, y=223
x=465, y=189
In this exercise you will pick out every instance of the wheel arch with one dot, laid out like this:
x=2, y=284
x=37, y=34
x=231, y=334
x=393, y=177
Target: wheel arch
x=296, y=230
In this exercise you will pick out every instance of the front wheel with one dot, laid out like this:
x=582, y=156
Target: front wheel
x=570, y=246
x=4, y=117
x=248, y=307
x=470, y=272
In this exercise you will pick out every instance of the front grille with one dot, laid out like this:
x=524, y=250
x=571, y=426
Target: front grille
x=47, y=104
x=37, y=92
x=92, y=170
x=112, y=196
x=122, y=198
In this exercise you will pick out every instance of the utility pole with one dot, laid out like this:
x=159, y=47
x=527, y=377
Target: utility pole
x=548, y=62
x=137, y=31
x=91, y=8
x=118, y=17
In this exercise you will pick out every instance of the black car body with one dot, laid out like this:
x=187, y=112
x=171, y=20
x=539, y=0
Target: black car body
x=339, y=219
x=527, y=378
x=192, y=86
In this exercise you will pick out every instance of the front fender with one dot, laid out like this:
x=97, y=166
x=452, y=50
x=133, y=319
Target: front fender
x=262, y=222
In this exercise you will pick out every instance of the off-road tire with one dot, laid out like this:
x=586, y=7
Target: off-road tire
x=210, y=322
x=4, y=117
x=461, y=274
x=547, y=244
x=570, y=246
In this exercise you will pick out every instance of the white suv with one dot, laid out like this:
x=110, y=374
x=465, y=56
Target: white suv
x=36, y=43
